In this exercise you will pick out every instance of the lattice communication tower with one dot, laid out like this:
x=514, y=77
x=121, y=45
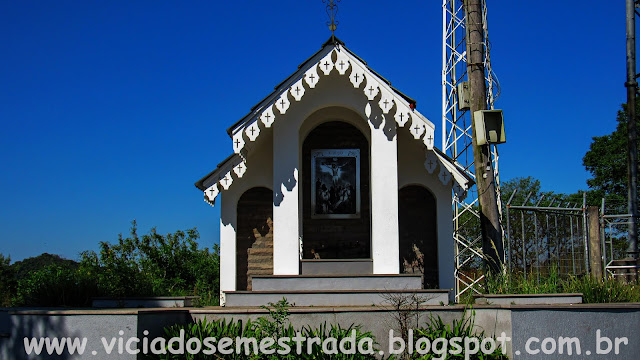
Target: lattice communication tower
x=457, y=141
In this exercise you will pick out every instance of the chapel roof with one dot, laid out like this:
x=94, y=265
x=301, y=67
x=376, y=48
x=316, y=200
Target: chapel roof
x=320, y=64
x=331, y=43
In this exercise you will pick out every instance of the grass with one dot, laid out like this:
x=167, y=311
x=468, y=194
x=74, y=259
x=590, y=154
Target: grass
x=593, y=291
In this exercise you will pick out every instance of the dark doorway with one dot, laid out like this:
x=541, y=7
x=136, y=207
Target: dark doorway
x=336, y=238
x=417, y=220
x=254, y=238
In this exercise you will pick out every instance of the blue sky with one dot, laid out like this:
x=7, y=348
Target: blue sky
x=111, y=110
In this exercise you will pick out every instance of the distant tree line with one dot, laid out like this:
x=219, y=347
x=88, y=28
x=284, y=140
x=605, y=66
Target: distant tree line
x=147, y=265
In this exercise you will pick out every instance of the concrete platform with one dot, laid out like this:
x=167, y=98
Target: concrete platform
x=336, y=266
x=332, y=297
x=529, y=299
x=336, y=282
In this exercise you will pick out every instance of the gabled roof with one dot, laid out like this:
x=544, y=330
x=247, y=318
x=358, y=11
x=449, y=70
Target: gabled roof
x=310, y=72
x=328, y=46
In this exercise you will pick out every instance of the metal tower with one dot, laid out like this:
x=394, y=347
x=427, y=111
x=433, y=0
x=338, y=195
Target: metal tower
x=457, y=140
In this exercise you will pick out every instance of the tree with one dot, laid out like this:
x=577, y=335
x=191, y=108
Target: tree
x=156, y=265
x=8, y=281
x=30, y=265
x=606, y=160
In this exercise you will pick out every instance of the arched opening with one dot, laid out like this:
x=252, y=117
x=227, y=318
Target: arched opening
x=335, y=176
x=417, y=220
x=254, y=236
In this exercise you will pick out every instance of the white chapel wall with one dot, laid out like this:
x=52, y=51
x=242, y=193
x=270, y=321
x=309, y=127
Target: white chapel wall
x=259, y=173
x=411, y=171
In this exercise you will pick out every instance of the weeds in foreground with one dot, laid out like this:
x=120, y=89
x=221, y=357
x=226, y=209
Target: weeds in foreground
x=592, y=290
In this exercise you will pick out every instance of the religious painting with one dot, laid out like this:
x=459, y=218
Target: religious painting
x=335, y=184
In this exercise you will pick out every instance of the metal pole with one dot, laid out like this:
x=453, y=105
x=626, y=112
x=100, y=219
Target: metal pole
x=508, y=241
x=535, y=227
x=509, y=260
x=632, y=145
x=524, y=252
x=573, y=248
x=492, y=245
x=602, y=235
x=584, y=232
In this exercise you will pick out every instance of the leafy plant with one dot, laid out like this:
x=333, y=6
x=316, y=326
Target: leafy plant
x=274, y=326
x=464, y=328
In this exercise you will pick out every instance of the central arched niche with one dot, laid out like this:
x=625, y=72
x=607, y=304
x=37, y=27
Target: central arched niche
x=336, y=238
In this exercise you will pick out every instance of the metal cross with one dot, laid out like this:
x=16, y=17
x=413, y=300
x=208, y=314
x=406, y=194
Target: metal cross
x=356, y=76
x=430, y=163
x=417, y=128
x=401, y=116
x=282, y=103
x=430, y=138
x=386, y=103
x=312, y=77
x=297, y=90
x=332, y=10
x=252, y=130
x=341, y=64
x=237, y=142
x=371, y=90
x=326, y=64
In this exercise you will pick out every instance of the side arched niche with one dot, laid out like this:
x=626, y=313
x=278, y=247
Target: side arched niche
x=335, y=238
x=254, y=237
x=417, y=217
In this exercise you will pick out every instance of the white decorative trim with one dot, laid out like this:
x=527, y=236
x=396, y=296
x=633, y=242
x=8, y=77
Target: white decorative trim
x=268, y=117
x=283, y=103
x=418, y=127
x=371, y=90
x=342, y=62
x=211, y=193
x=431, y=161
x=367, y=110
x=326, y=64
x=444, y=175
x=429, y=137
x=386, y=100
x=297, y=90
x=226, y=181
x=238, y=142
x=253, y=131
x=240, y=169
x=403, y=114
x=357, y=75
x=311, y=76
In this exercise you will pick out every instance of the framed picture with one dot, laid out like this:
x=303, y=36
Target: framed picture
x=335, y=184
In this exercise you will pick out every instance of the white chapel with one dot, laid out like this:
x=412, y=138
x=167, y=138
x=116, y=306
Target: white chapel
x=334, y=193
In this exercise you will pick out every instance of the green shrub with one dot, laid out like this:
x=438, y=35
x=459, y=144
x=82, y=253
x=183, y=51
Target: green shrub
x=435, y=328
x=55, y=286
x=274, y=326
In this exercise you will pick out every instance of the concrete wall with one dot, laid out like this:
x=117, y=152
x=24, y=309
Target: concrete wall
x=521, y=323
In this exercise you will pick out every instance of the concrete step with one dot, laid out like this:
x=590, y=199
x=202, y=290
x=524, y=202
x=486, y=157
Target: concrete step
x=336, y=266
x=332, y=298
x=336, y=282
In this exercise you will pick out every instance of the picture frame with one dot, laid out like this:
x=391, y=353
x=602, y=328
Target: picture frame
x=335, y=184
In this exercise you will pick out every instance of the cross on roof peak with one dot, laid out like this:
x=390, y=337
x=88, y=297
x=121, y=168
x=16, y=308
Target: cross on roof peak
x=332, y=11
